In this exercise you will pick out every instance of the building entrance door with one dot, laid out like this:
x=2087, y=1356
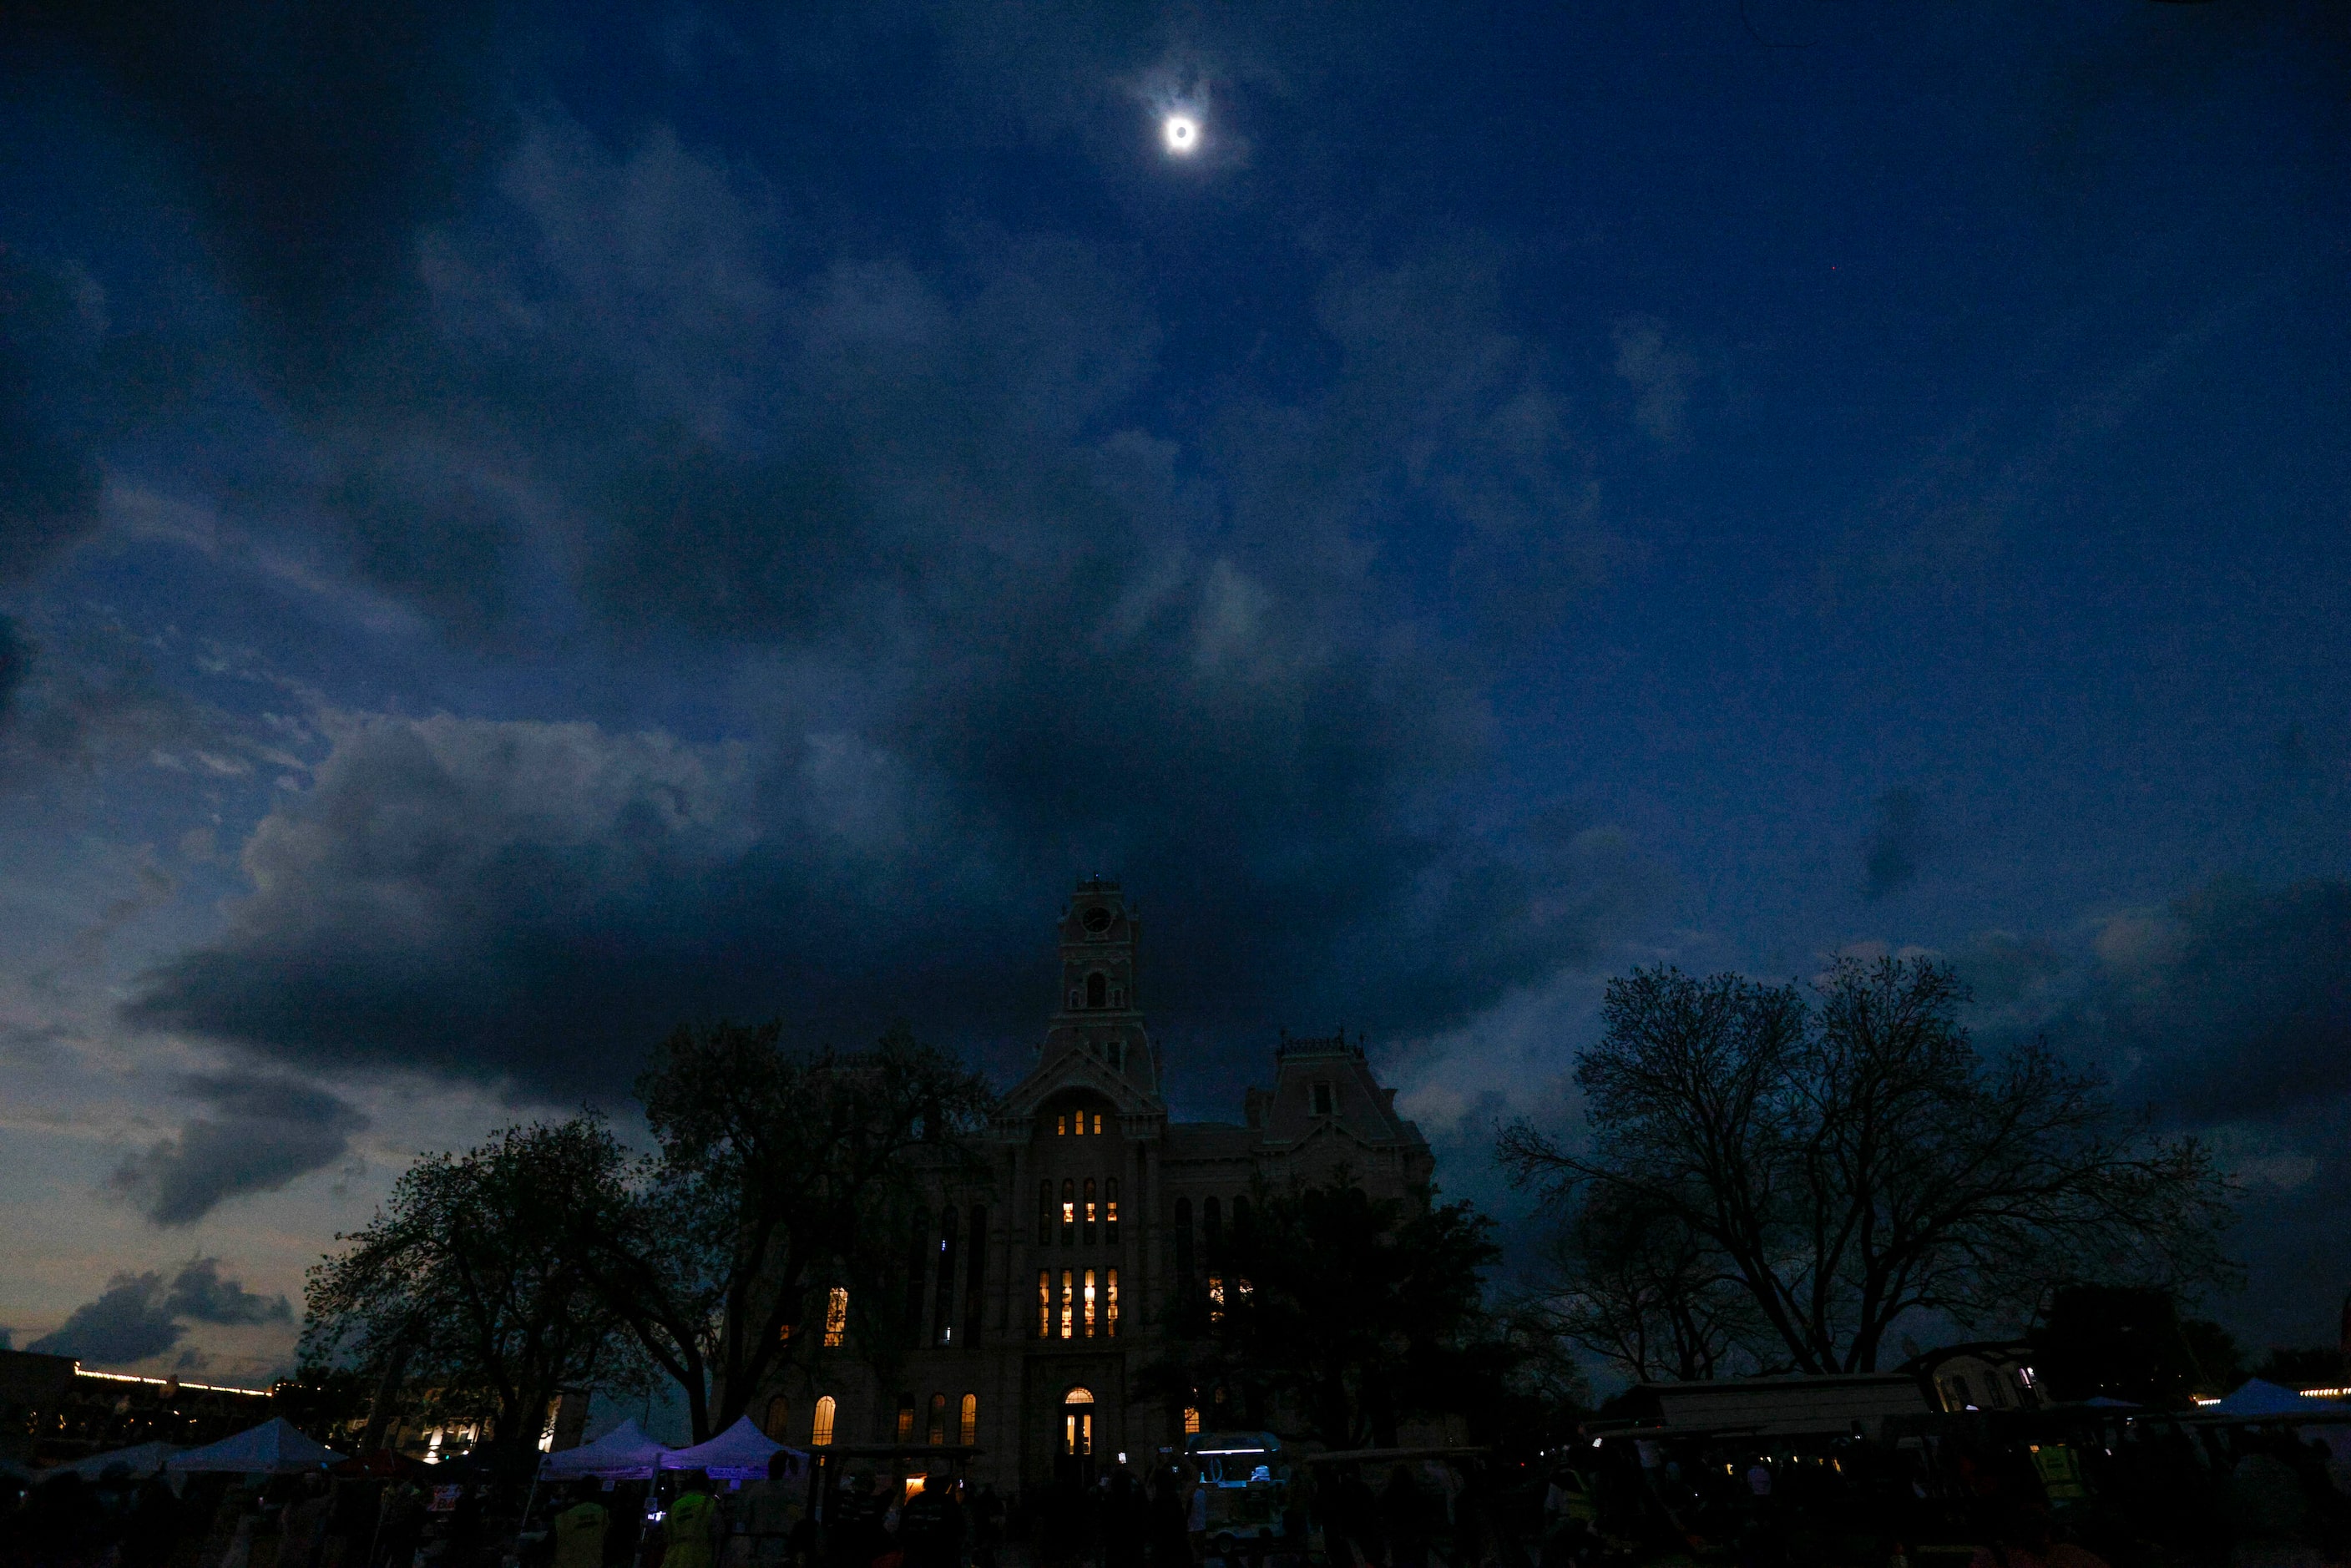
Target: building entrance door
x=1076, y=1460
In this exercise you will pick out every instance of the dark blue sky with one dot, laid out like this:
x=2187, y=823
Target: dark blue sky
x=521, y=525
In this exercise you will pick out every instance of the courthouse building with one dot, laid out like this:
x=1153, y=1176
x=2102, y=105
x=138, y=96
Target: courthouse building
x=1043, y=1289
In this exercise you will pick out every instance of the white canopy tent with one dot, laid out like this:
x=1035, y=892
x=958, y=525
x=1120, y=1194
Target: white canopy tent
x=2255, y=1397
x=622, y=1454
x=142, y=1459
x=741, y=1453
x=272, y=1448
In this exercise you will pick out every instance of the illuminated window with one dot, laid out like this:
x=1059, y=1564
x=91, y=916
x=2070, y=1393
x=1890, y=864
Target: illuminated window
x=784, y=1334
x=905, y=1428
x=1191, y=1420
x=1044, y=1212
x=937, y=1433
x=1090, y=1304
x=968, y=1421
x=836, y=1315
x=1078, y=1418
x=820, y=1430
x=1216, y=1298
x=1097, y=1123
x=779, y=1412
x=1110, y=1211
x=1077, y=1123
x=1091, y=1211
x=1069, y=1211
x=1110, y=1304
x=1068, y=1304
x=1044, y=1303
x=1061, y=1126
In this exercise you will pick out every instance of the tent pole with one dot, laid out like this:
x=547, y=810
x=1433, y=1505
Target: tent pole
x=524, y=1522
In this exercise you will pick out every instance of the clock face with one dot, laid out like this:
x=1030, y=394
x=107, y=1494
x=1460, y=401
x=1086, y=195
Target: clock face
x=1095, y=920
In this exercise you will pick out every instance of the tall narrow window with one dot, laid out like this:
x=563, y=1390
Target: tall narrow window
x=1212, y=1229
x=1322, y=1099
x=1097, y=1124
x=936, y=1433
x=1061, y=1126
x=780, y=1416
x=1069, y=1211
x=905, y=1428
x=1216, y=1298
x=943, y=1304
x=1044, y=1303
x=918, y=1259
x=820, y=1428
x=1090, y=1211
x=1097, y=990
x=1183, y=1264
x=1044, y=1212
x=967, y=1422
x=1110, y=1305
x=1240, y=1222
x=1090, y=1304
x=1068, y=1304
x=1191, y=1420
x=1109, y=1210
x=836, y=1315
x=974, y=1287
x=1077, y=1123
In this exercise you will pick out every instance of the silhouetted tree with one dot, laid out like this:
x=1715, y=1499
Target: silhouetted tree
x=470, y=1280
x=1829, y=1163
x=1354, y=1313
x=781, y=1175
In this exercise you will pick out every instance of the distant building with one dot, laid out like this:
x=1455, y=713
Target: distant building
x=52, y=1411
x=1042, y=1288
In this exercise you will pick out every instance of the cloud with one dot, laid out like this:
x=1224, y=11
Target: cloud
x=1659, y=375
x=1889, y=861
x=262, y=1132
x=141, y=1316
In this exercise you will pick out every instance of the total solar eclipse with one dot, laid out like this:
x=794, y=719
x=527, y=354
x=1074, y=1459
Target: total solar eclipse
x=1181, y=132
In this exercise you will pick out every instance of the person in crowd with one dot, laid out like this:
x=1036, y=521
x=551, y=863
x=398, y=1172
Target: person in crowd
x=580, y=1530
x=302, y=1528
x=930, y=1528
x=692, y=1527
x=1125, y=1521
x=988, y=1527
x=152, y=1527
x=400, y=1525
x=1403, y=1509
x=770, y=1509
x=1196, y=1519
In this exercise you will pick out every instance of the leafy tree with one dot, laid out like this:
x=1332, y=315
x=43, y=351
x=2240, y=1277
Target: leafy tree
x=1354, y=1314
x=469, y=1281
x=781, y=1175
x=1829, y=1163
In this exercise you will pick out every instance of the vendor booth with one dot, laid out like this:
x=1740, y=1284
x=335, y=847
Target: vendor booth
x=741, y=1453
x=622, y=1454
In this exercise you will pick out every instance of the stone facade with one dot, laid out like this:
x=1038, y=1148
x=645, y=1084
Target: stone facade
x=1048, y=1285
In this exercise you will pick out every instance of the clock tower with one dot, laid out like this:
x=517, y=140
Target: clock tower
x=1098, y=1013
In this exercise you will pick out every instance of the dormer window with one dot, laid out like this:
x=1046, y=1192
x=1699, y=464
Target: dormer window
x=1322, y=1099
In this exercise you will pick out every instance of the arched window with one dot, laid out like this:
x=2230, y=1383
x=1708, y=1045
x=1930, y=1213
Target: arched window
x=1109, y=1210
x=967, y=1422
x=1091, y=1212
x=1044, y=1214
x=943, y=1304
x=1097, y=990
x=821, y=1429
x=1069, y=1212
x=780, y=1414
x=1077, y=1423
x=936, y=1433
x=974, y=1289
x=1212, y=1229
x=836, y=1314
x=1240, y=1221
